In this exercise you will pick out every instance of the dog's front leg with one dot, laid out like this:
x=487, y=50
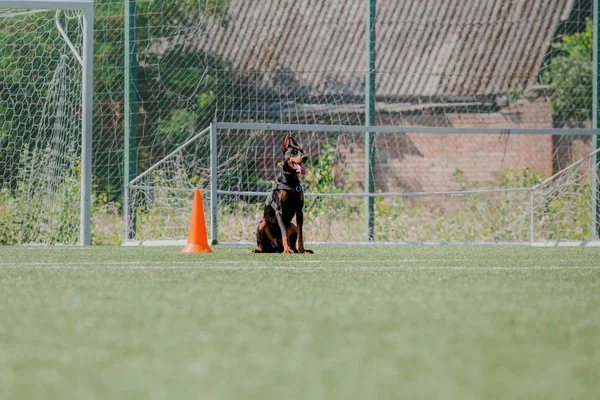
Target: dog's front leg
x=284, y=236
x=300, y=221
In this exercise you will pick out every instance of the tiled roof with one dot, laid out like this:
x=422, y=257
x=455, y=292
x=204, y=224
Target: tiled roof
x=429, y=48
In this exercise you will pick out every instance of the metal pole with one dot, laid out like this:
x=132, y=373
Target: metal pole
x=214, y=199
x=48, y=4
x=86, y=124
x=130, y=108
x=532, y=216
x=370, y=120
x=406, y=129
x=596, y=118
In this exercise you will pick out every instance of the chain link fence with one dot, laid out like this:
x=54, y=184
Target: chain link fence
x=475, y=64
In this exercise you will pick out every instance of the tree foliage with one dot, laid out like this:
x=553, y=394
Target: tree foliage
x=177, y=83
x=180, y=87
x=570, y=71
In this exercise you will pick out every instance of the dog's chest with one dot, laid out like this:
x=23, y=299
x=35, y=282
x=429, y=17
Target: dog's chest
x=291, y=203
x=292, y=199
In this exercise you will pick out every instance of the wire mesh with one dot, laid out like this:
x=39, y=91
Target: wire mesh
x=474, y=64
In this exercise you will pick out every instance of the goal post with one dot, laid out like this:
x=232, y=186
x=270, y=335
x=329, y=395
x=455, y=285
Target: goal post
x=59, y=107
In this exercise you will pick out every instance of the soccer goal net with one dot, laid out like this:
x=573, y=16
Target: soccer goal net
x=483, y=109
x=431, y=185
x=45, y=121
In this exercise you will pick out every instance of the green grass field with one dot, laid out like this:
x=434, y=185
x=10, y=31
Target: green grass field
x=344, y=323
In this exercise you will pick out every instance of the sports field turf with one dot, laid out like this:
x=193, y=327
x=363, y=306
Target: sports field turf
x=344, y=323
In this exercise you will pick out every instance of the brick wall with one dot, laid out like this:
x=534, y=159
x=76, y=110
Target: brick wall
x=438, y=162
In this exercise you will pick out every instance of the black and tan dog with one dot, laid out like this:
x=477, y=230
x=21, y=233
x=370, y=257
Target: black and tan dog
x=276, y=232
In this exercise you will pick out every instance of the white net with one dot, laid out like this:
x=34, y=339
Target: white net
x=563, y=209
x=473, y=188
x=40, y=126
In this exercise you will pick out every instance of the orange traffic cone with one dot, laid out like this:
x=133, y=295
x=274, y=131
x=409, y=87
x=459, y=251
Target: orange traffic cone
x=197, y=242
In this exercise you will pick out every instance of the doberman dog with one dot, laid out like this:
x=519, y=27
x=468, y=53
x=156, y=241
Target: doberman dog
x=276, y=233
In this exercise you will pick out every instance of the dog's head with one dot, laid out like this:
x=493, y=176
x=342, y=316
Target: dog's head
x=294, y=156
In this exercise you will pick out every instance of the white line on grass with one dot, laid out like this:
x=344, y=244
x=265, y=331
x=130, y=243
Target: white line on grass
x=224, y=267
x=245, y=262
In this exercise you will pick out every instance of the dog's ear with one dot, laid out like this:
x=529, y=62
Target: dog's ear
x=286, y=142
x=294, y=142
